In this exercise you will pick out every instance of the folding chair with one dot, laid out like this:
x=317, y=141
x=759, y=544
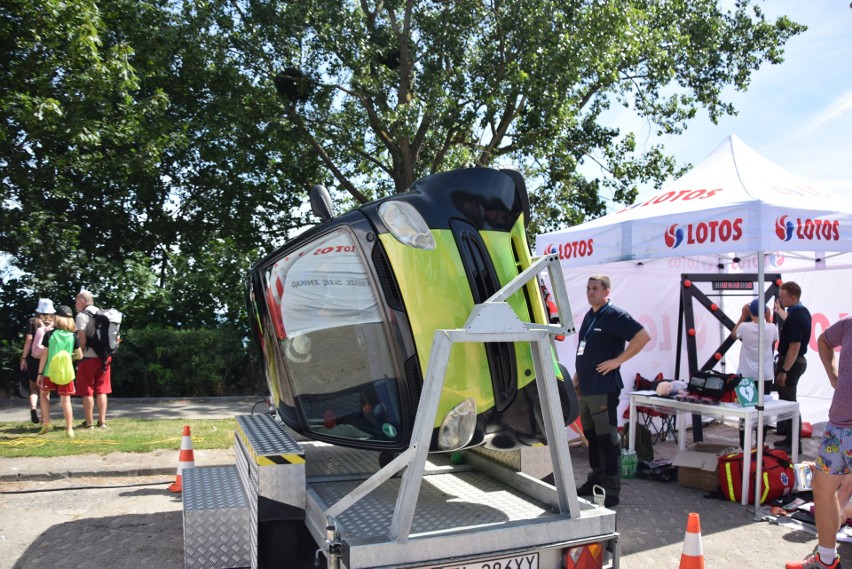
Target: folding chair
x=666, y=426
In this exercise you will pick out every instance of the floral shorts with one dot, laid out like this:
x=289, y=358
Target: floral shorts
x=835, y=450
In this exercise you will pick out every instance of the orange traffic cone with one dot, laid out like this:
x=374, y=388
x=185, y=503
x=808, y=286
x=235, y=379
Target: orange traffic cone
x=185, y=459
x=693, y=552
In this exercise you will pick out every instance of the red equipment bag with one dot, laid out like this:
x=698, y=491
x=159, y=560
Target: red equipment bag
x=777, y=475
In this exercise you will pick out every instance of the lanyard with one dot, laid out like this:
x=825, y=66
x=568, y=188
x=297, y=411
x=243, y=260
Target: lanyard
x=595, y=319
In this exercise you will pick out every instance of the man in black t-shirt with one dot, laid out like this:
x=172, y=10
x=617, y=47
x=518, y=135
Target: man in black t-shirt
x=600, y=353
x=792, y=346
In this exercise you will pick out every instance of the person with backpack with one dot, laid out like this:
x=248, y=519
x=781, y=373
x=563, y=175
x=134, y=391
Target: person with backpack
x=93, y=373
x=36, y=327
x=56, y=370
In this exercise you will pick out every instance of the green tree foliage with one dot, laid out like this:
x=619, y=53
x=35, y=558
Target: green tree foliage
x=138, y=160
x=134, y=139
x=155, y=361
x=151, y=150
x=391, y=90
x=60, y=92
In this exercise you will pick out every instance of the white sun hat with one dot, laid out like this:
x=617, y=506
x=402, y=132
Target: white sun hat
x=45, y=306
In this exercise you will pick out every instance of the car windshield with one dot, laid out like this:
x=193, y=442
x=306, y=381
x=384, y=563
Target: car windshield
x=333, y=341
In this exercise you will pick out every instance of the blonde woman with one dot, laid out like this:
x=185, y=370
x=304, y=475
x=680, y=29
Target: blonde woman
x=62, y=338
x=36, y=328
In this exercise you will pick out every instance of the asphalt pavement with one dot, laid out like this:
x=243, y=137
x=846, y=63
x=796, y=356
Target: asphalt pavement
x=17, y=409
x=113, y=510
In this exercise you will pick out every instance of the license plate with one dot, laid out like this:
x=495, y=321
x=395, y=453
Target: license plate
x=526, y=561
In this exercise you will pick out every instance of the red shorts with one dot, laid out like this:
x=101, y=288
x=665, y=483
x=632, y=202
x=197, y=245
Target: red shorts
x=47, y=385
x=92, y=379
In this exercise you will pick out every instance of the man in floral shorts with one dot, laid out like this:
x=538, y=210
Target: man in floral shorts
x=834, y=463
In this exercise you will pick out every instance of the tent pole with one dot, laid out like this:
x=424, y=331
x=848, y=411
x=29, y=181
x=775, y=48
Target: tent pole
x=761, y=340
x=679, y=335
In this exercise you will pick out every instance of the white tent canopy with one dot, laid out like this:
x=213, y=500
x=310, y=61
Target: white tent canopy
x=733, y=212
x=735, y=201
x=716, y=218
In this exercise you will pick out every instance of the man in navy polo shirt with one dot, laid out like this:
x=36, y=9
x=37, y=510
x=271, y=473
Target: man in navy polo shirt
x=792, y=346
x=601, y=351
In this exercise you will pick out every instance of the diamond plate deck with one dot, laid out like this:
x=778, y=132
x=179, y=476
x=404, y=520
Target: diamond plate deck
x=462, y=513
x=333, y=461
x=274, y=472
x=265, y=437
x=247, y=472
x=534, y=460
x=215, y=519
x=446, y=501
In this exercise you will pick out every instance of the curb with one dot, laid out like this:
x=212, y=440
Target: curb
x=43, y=477
x=20, y=401
x=161, y=462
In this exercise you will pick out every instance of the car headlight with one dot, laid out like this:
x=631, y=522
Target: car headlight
x=406, y=224
x=458, y=426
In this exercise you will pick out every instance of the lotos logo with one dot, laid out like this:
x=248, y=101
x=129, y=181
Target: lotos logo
x=784, y=228
x=776, y=259
x=571, y=249
x=705, y=232
x=675, y=196
x=807, y=229
x=674, y=236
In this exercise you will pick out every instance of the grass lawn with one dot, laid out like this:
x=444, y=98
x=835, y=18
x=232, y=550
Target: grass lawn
x=123, y=435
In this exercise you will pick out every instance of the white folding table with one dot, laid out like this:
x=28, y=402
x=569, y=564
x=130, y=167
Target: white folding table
x=772, y=408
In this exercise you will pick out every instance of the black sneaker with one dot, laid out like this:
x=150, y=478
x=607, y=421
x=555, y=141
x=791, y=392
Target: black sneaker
x=611, y=500
x=34, y=416
x=587, y=489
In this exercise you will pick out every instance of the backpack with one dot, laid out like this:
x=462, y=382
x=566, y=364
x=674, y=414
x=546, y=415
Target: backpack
x=644, y=441
x=106, y=336
x=779, y=479
x=59, y=367
x=36, y=349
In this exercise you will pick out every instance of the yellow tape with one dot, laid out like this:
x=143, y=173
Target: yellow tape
x=269, y=460
x=765, y=487
x=280, y=459
x=730, y=481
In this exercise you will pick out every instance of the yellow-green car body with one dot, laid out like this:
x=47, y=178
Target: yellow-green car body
x=345, y=317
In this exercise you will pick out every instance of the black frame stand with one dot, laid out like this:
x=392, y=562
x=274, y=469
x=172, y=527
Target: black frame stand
x=730, y=283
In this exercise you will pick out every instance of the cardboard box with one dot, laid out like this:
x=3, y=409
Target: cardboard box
x=697, y=465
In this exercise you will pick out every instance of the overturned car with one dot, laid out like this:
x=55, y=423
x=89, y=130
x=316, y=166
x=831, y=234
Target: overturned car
x=345, y=316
